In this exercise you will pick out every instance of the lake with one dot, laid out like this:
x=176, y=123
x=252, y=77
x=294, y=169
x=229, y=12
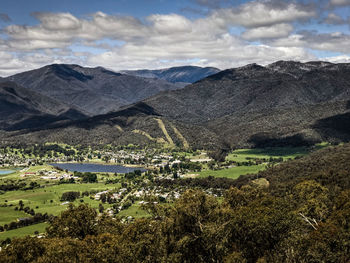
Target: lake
x=4, y=172
x=96, y=168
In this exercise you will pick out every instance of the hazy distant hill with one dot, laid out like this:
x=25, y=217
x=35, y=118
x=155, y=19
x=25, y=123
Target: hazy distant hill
x=95, y=90
x=185, y=74
x=283, y=103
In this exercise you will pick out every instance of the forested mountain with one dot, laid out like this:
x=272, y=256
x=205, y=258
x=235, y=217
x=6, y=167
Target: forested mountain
x=285, y=103
x=255, y=88
x=185, y=74
x=95, y=90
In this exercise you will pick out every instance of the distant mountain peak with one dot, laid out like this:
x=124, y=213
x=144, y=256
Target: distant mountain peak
x=252, y=66
x=67, y=72
x=181, y=74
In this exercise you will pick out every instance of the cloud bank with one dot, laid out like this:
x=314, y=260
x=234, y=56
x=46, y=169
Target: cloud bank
x=256, y=31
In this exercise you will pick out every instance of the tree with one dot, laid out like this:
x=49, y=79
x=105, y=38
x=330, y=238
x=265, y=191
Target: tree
x=21, y=204
x=312, y=199
x=89, y=178
x=75, y=222
x=70, y=196
x=23, y=250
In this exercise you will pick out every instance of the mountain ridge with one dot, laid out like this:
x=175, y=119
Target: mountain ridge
x=182, y=74
x=282, y=103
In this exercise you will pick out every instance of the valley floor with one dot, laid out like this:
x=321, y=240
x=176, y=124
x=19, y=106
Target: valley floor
x=29, y=189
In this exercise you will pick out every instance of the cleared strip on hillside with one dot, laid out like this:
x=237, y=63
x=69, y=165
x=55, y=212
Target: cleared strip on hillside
x=181, y=137
x=166, y=134
x=158, y=140
x=119, y=128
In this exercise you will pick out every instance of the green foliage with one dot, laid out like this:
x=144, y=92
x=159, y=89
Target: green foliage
x=76, y=222
x=70, y=196
x=89, y=178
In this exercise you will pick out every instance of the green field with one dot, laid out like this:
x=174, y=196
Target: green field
x=134, y=211
x=23, y=231
x=41, y=198
x=8, y=214
x=286, y=153
x=233, y=172
x=243, y=155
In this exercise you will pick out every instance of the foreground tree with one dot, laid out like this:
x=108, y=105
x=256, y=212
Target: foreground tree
x=75, y=222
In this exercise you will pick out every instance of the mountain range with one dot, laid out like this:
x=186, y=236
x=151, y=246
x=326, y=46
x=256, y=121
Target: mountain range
x=91, y=90
x=284, y=103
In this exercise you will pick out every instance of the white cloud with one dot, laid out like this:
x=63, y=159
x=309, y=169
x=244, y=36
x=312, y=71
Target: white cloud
x=225, y=52
x=335, y=42
x=274, y=31
x=338, y=59
x=163, y=40
x=265, y=13
x=170, y=24
x=57, y=30
x=60, y=21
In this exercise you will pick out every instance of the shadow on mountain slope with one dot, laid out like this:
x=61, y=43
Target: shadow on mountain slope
x=337, y=127
x=264, y=140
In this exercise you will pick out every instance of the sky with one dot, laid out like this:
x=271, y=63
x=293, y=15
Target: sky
x=153, y=34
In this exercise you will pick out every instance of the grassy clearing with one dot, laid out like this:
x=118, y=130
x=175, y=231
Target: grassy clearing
x=8, y=214
x=134, y=211
x=243, y=155
x=233, y=172
x=286, y=153
x=24, y=231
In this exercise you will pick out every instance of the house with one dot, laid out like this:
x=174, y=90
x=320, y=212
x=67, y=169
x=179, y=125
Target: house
x=98, y=195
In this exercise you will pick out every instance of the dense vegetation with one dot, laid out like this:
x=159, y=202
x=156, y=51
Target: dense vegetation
x=302, y=216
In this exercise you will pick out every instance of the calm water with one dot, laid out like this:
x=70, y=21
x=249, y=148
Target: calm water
x=96, y=168
x=3, y=172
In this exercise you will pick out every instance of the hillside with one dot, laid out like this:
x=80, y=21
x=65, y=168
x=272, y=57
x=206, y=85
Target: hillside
x=22, y=108
x=255, y=103
x=254, y=88
x=285, y=103
x=95, y=90
x=185, y=74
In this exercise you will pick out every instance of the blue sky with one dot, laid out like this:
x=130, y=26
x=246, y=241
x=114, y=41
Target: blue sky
x=134, y=34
